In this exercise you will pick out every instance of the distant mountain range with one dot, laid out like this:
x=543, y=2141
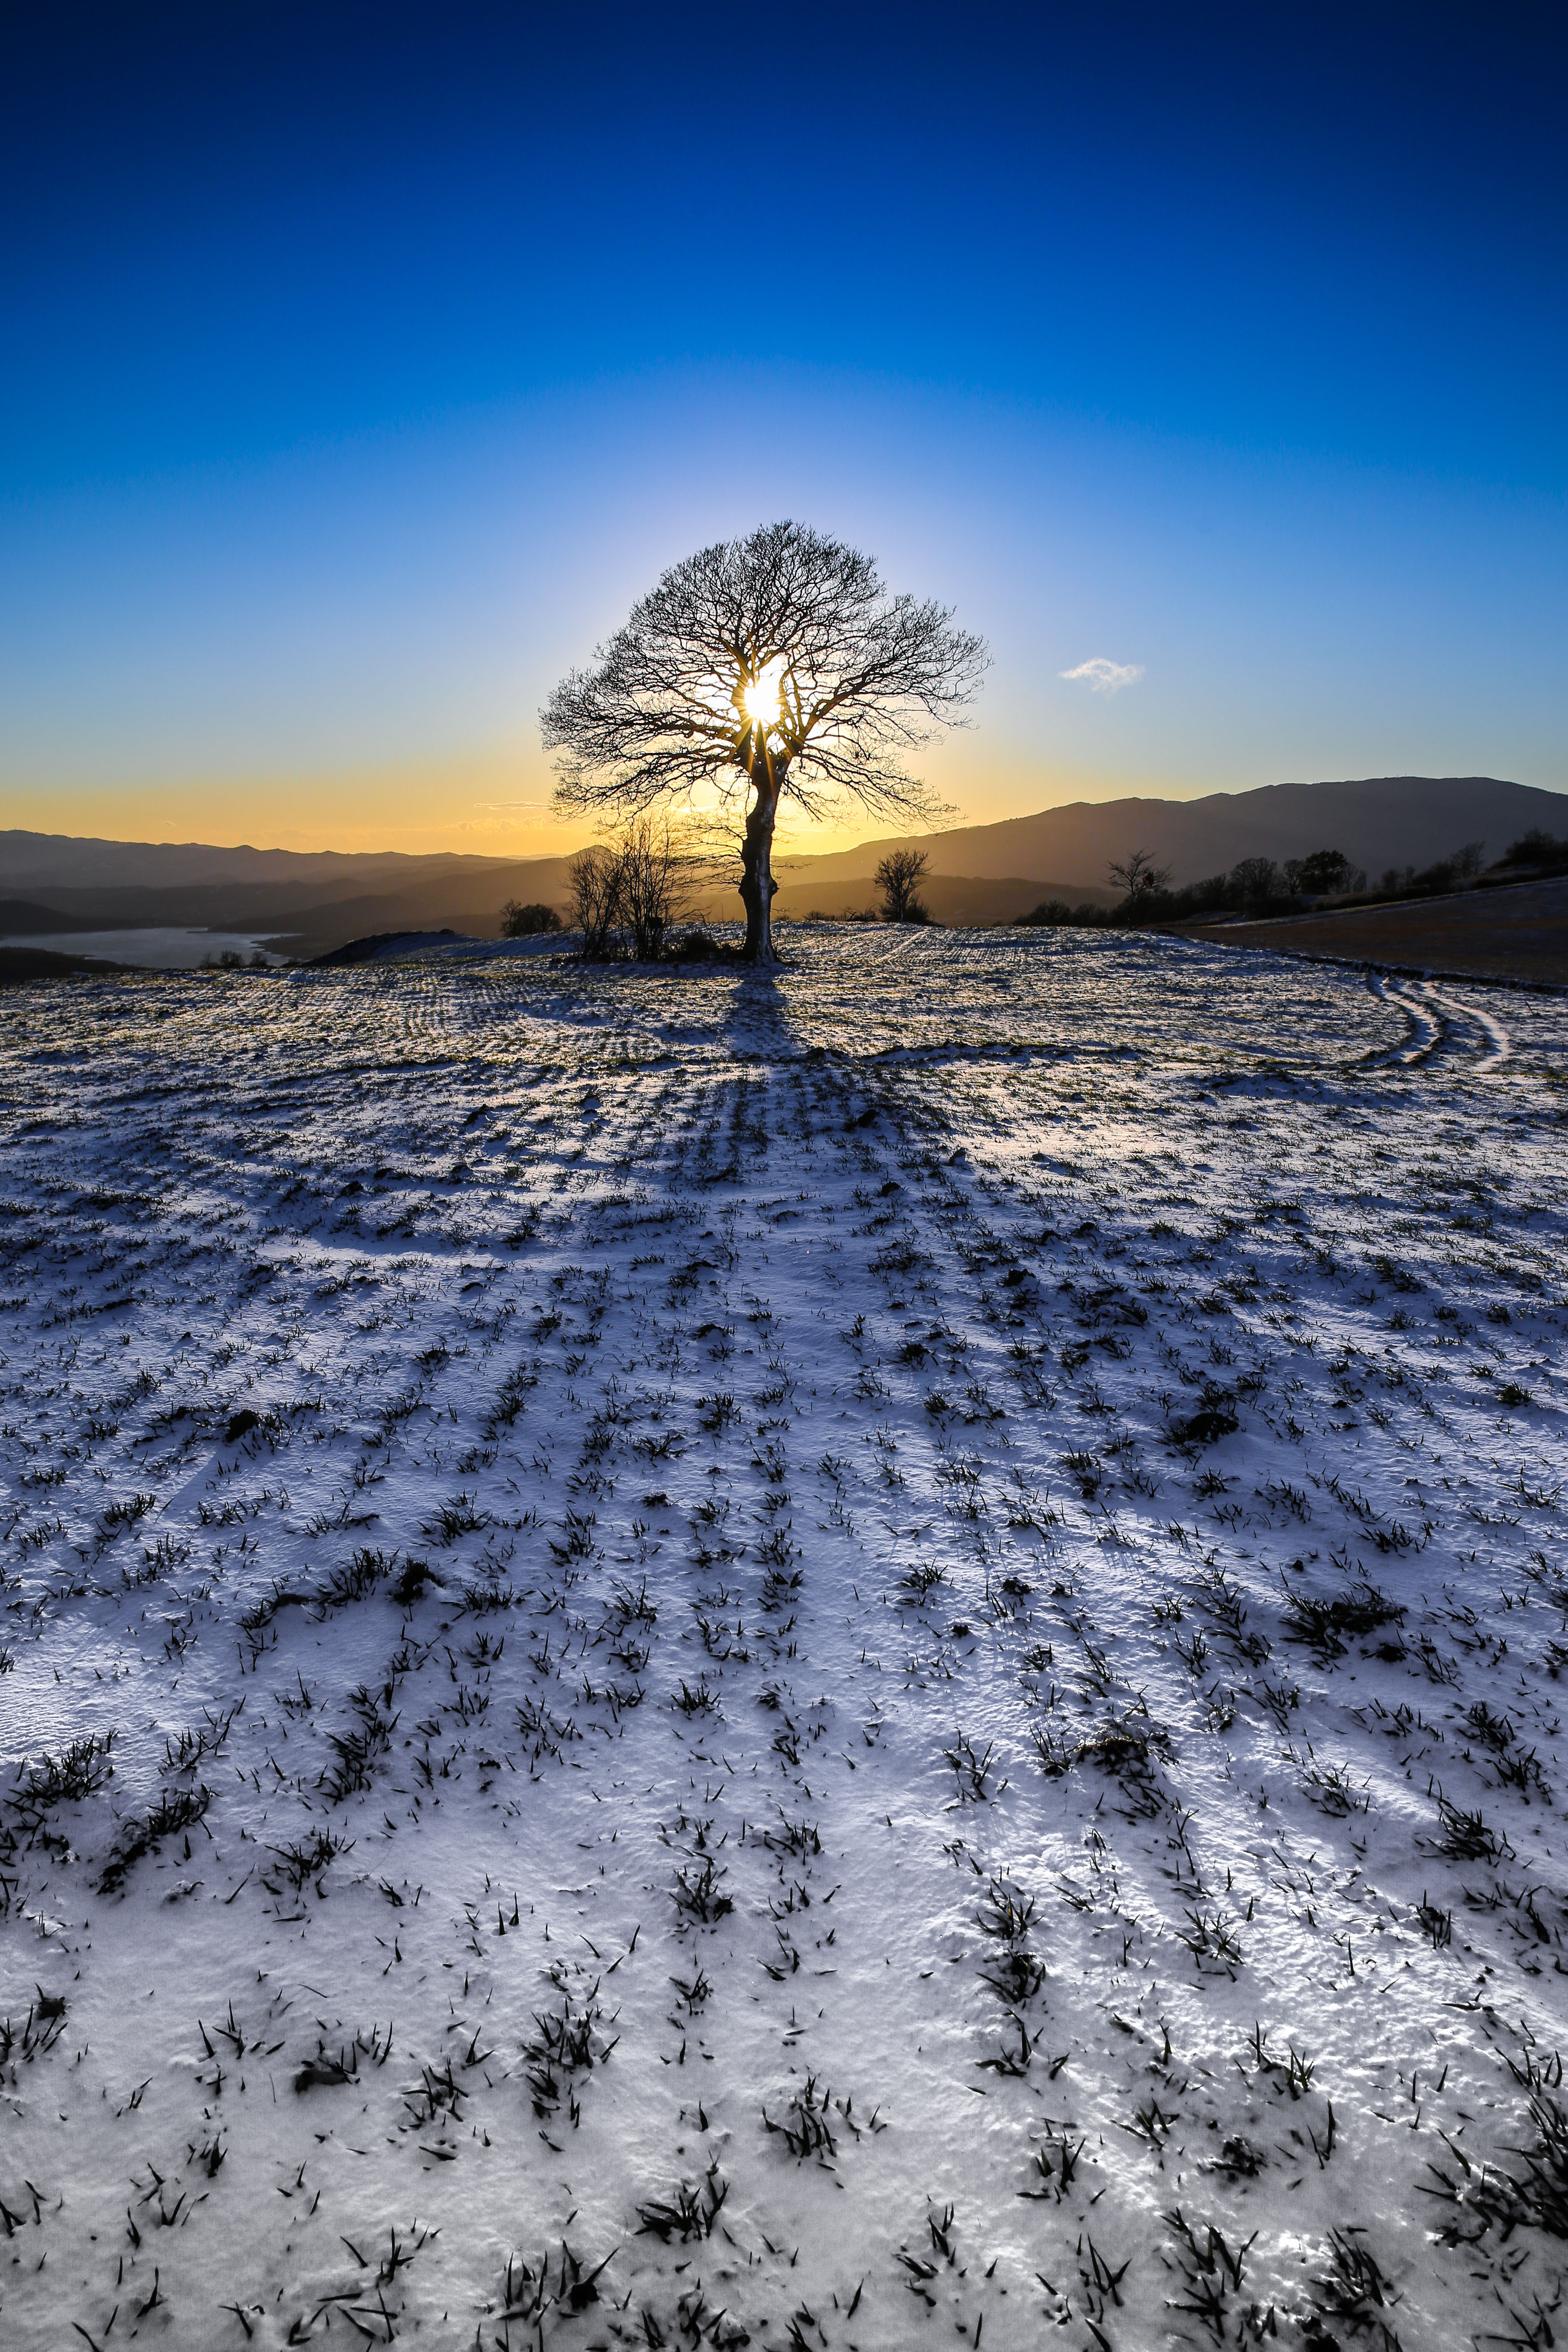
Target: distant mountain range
x=984, y=873
x=1377, y=821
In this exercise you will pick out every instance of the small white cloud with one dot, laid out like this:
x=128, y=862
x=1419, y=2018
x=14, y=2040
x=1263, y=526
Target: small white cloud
x=1104, y=677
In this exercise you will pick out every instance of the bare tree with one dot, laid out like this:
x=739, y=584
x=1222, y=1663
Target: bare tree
x=628, y=896
x=1140, y=877
x=899, y=878
x=770, y=668
x=655, y=878
x=593, y=879
x=1256, y=880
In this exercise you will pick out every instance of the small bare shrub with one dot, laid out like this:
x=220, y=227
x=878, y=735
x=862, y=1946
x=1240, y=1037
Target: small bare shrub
x=593, y=879
x=629, y=896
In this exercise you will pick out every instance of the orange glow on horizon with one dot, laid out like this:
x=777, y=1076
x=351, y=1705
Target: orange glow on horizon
x=488, y=804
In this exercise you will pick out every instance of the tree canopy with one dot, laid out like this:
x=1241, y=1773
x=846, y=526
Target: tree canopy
x=763, y=669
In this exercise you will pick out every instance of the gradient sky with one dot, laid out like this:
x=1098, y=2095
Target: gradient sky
x=360, y=367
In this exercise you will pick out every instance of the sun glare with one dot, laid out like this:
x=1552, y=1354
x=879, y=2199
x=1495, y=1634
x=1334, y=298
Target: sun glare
x=762, y=697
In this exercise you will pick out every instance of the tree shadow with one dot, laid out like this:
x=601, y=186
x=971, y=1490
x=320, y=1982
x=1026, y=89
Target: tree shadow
x=755, y=1022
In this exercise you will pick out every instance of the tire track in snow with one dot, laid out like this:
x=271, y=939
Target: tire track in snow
x=1499, y=1043
x=1424, y=1034
x=1441, y=1027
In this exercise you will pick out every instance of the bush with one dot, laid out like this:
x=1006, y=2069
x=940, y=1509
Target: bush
x=519, y=922
x=654, y=873
x=1461, y=865
x=699, y=946
x=595, y=881
x=1056, y=912
x=1537, y=848
x=1449, y=873
x=1256, y=886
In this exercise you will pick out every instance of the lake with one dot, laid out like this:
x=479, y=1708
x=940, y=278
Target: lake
x=166, y=948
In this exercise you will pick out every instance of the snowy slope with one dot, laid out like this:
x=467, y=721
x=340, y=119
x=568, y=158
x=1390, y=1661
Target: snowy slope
x=850, y=1660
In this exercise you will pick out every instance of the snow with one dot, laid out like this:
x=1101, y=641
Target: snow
x=740, y=1750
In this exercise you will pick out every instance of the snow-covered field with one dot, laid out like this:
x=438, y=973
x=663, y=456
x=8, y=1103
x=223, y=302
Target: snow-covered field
x=859, y=1661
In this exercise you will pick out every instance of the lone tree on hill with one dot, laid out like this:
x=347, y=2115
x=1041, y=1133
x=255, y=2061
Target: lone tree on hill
x=769, y=668
x=899, y=878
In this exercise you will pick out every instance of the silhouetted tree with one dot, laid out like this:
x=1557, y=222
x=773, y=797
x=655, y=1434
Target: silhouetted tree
x=899, y=878
x=1256, y=880
x=770, y=668
x=593, y=878
x=1460, y=866
x=1536, y=847
x=1140, y=877
x=656, y=871
x=519, y=923
x=1324, y=874
x=627, y=897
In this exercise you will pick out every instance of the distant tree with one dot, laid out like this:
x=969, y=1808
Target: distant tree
x=1324, y=875
x=1460, y=866
x=766, y=669
x=1536, y=847
x=1139, y=877
x=1256, y=880
x=899, y=878
x=519, y=922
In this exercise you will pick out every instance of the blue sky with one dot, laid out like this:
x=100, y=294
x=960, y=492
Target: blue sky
x=363, y=367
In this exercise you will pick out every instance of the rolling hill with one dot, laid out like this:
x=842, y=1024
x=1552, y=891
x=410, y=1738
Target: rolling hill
x=1377, y=821
x=987, y=873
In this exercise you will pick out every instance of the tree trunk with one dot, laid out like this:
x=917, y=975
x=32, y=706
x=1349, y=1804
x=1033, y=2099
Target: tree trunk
x=757, y=884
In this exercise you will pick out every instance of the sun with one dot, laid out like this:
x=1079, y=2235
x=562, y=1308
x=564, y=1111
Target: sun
x=763, y=697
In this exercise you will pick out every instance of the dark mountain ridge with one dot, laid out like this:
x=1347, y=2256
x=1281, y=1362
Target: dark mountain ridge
x=1377, y=821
